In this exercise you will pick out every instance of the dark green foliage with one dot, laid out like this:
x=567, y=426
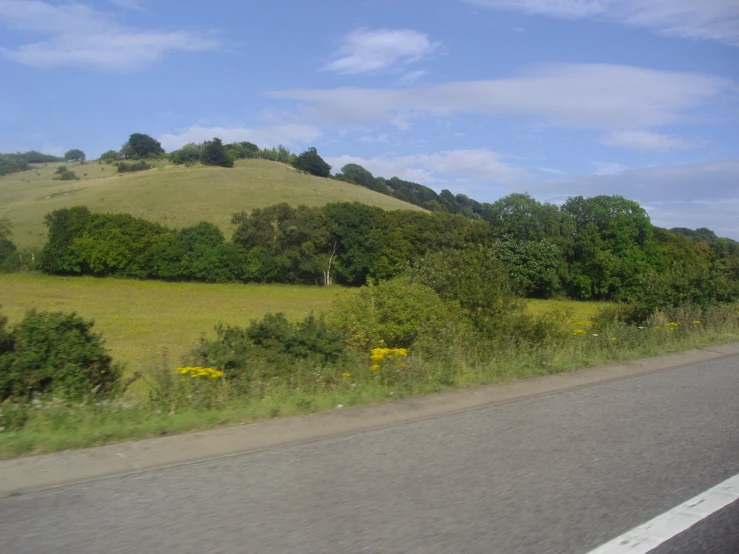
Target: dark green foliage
x=7, y=250
x=74, y=155
x=476, y=279
x=213, y=153
x=54, y=353
x=533, y=266
x=64, y=226
x=127, y=167
x=270, y=347
x=310, y=162
x=60, y=169
x=286, y=244
x=110, y=156
x=140, y=146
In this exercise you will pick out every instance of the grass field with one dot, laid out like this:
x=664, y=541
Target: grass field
x=172, y=195
x=137, y=317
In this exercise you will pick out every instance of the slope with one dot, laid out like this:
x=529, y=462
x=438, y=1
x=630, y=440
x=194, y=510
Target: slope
x=172, y=195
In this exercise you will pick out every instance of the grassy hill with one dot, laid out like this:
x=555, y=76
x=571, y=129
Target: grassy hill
x=172, y=195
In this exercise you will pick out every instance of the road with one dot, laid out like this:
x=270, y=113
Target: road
x=564, y=472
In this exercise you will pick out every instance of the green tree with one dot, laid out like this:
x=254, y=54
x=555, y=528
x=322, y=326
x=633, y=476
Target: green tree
x=613, y=246
x=359, y=175
x=7, y=248
x=475, y=278
x=110, y=156
x=212, y=152
x=74, y=155
x=188, y=154
x=312, y=163
x=141, y=146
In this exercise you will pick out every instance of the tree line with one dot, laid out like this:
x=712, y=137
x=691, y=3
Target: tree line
x=603, y=247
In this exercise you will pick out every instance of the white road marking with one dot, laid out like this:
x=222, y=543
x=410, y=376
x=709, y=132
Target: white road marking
x=662, y=528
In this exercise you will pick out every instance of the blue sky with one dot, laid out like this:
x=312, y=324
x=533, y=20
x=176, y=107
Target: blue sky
x=484, y=97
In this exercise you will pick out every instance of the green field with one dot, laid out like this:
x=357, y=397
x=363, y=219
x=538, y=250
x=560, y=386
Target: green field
x=137, y=317
x=175, y=196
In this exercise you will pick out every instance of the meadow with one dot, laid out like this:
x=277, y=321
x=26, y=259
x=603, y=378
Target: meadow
x=139, y=317
x=175, y=196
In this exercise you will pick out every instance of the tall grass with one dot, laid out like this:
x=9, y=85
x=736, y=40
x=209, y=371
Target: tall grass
x=167, y=402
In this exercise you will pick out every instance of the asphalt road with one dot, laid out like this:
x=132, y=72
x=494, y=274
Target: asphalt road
x=565, y=472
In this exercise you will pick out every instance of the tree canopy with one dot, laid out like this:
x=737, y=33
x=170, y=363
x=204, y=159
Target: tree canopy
x=140, y=146
x=74, y=155
x=212, y=152
x=311, y=162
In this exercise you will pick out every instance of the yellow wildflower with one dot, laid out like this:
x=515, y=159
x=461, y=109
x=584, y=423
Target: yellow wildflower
x=577, y=332
x=196, y=372
x=346, y=374
x=613, y=339
x=696, y=322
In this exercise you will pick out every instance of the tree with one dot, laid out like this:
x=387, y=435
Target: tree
x=613, y=246
x=359, y=175
x=311, y=162
x=110, y=156
x=7, y=248
x=74, y=155
x=212, y=152
x=188, y=154
x=140, y=146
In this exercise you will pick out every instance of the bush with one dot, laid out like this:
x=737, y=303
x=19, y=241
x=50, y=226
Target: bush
x=140, y=165
x=398, y=314
x=270, y=347
x=54, y=353
x=474, y=278
x=69, y=176
x=110, y=156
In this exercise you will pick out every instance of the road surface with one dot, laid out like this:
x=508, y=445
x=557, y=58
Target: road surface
x=565, y=472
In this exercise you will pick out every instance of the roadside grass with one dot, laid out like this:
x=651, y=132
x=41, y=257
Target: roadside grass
x=188, y=405
x=175, y=196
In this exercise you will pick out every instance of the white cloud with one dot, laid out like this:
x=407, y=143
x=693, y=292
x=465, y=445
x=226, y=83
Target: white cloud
x=600, y=96
x=366, y=51
x=702, y=19
x=645, y=140
x=79, y=35
x=693, y=195
x=412, y=76
x=262, y=136
x=478, y=165
x=608, y=168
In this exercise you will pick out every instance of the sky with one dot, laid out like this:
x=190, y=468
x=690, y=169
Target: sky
x=556, y=98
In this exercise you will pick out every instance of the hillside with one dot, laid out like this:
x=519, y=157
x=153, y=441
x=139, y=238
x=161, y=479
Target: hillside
x=172, y=195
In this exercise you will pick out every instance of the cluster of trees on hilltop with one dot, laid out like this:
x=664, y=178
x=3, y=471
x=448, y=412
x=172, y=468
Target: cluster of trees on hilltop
x=591, y=248
x=10, y=163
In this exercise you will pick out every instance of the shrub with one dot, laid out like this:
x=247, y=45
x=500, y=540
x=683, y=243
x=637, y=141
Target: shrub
x=69, y=176
x=55, y=353
x=140, y=165
x=310, y=162
x=474, y=278
x=110, y=156
x=271, y=346
x=60, y=169
x=398, y=314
